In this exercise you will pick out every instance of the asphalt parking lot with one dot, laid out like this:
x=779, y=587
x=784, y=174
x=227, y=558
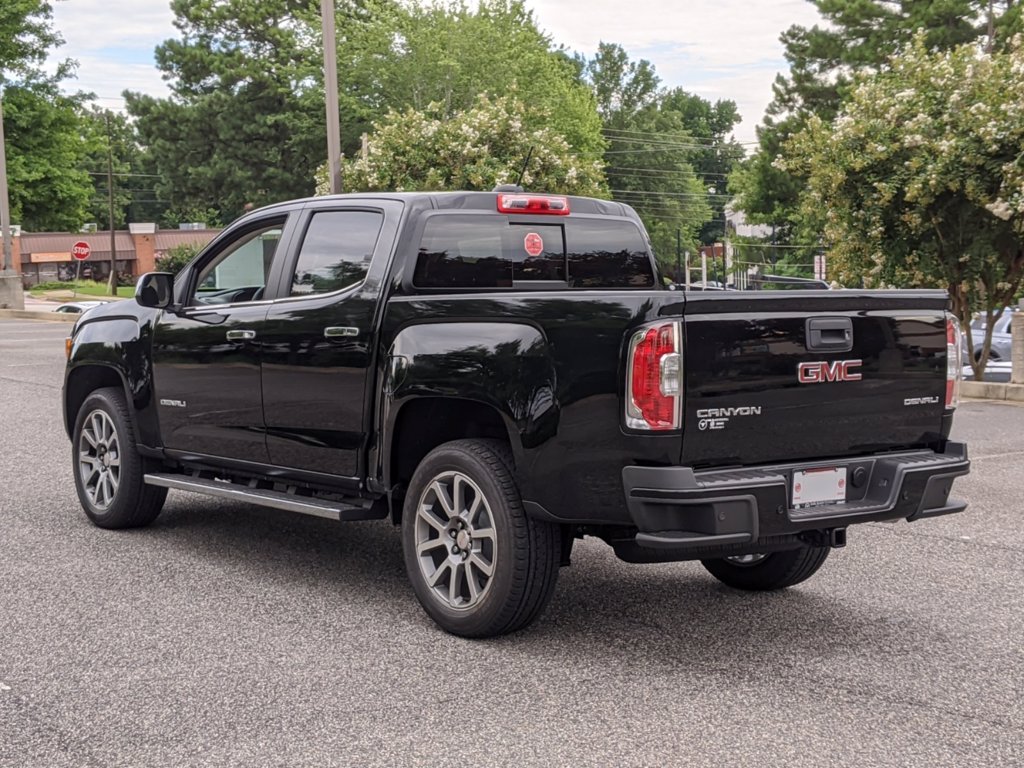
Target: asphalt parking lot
x=229, y=635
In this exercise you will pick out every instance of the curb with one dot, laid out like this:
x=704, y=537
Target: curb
x=32, y=314
x=991, y=390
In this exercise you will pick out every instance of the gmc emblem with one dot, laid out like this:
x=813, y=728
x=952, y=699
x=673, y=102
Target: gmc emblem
x=840, y=370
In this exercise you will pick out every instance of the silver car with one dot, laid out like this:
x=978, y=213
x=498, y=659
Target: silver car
x=78, y=307
x=1000, y=335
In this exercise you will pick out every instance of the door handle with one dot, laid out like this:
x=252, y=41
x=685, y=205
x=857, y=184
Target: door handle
x=241, y=335
x=339, y=332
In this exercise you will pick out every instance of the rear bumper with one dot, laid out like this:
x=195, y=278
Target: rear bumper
x=691, y=513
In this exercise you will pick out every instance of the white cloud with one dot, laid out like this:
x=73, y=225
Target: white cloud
x=720, y=49
x=91, y=25
x=113, y=42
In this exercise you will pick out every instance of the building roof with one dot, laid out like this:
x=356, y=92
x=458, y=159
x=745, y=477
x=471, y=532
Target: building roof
x=60, y=242
x=171, y=238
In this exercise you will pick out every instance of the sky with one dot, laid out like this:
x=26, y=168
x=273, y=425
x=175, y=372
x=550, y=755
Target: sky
x=717, y=49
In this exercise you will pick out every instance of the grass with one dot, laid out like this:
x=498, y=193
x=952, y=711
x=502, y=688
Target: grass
x=82, y=288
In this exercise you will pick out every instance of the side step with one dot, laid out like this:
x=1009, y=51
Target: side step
x=307, y=505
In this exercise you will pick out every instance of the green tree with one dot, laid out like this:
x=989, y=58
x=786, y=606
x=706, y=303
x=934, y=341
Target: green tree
x=858, y=36
x=105, y=128
x=44, y=145
x=407, y=55
x=178, y=257
x=245, y=121
x=653, y=155
x=475, y=150
x=921, y=178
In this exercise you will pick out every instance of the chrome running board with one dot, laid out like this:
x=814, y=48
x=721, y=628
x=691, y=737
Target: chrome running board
x=306, y=505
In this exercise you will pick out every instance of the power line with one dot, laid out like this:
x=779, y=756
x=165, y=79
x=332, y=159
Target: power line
x=709, y=141
x=770, y=245
x=665, y=194
x=665, y=171
x=149, y=175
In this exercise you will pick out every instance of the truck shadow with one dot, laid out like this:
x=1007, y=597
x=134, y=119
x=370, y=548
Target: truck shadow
x=627, y=615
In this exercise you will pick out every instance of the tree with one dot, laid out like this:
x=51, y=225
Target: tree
x=921, y=178
x=245, y=122
x=668, y=152
x=178, y=257
x=474, y=150
x=858, y=36
x=103, y=129
x=410, y=56
x=44, y=146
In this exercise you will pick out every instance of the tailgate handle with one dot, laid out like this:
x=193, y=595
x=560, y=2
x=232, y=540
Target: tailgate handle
x=829, y=334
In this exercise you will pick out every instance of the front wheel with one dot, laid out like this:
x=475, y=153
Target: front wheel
x=479, y=566
x=764, y=572
x=108, y=469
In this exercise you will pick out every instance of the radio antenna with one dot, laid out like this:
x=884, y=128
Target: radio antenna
x=526, y=162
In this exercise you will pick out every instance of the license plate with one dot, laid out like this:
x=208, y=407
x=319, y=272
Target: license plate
x=826, y=485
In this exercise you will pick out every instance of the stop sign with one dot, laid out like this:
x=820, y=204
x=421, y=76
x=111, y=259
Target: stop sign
x=533, y=244
x=81, y=250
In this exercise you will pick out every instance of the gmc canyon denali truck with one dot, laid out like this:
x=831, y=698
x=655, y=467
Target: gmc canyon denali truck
x=501, y=374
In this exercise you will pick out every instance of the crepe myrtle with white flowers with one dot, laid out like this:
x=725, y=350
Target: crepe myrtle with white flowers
x=920, y=179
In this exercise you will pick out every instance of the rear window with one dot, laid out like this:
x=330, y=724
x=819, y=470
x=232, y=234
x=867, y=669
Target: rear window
x=477, y=251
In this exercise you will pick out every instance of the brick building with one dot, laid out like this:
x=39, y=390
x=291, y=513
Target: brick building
x=46, y=256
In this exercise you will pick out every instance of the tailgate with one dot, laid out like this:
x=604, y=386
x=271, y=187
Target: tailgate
x=772, y=376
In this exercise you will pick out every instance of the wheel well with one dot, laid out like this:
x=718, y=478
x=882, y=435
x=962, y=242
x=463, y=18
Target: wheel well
x=424, y=424
x=82, y=381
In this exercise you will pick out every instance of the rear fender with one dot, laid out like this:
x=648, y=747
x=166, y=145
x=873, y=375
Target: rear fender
x=505, y=366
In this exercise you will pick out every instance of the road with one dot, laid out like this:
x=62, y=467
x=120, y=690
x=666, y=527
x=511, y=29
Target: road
x=228, y=635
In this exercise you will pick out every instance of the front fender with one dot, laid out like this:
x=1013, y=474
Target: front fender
x=121, y=344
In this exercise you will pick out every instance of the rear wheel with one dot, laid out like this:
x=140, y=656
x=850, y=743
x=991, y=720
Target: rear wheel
x=763, y=572
x=108, y=469
x=479, y=566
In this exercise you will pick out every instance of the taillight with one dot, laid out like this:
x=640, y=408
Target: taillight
x=549, y=205
x=654, y=379
x=954, y=363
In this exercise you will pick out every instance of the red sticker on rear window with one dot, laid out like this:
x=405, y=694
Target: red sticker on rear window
x=533, y=244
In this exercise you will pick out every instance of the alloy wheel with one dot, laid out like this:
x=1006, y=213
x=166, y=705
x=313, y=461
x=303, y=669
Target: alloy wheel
x=456, y=543
x=99, y=459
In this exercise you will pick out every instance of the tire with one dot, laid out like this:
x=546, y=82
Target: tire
x=107, y=467
x=777, y=570
x=462, y=517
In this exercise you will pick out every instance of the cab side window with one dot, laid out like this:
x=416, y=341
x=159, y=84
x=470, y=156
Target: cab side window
x=239, y=272
x=336, y=251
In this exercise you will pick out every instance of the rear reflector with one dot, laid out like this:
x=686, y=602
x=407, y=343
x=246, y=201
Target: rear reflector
x=954, y=362
x=548, y=205
x=654, y=379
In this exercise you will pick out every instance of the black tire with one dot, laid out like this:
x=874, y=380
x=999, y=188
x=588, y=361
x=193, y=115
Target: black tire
x=776, y=570
x=523, y=553
x=126, y=501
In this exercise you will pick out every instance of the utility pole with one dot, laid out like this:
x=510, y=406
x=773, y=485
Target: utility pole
x=331, y=91
x=5, y=211
x=990, y=45
x=679, y=255
x=11, y=293
x=110, y=203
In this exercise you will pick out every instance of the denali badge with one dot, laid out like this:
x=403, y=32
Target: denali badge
x=172, y=403
x=840, y=370
x=921, y=400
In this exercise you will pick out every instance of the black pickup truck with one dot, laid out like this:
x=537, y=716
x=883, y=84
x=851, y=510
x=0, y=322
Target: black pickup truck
x=501, y=374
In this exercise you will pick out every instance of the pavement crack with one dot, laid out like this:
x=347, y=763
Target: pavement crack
x=30, y=383
x=944, y=537
x=997, y=455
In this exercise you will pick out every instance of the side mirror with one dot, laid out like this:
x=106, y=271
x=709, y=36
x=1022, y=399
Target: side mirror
x=155, y=289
